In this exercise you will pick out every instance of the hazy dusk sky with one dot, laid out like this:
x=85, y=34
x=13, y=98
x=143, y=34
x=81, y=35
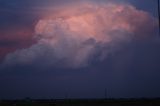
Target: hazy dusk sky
x=79, y=48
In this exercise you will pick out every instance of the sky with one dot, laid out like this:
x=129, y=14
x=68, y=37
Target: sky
x=51, y=49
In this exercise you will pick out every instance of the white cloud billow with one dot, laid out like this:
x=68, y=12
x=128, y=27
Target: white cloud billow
x=75, y=36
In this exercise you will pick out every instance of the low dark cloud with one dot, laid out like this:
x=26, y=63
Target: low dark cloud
x=131, y=72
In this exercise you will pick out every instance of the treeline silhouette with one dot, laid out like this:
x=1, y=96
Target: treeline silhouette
x=82, y=102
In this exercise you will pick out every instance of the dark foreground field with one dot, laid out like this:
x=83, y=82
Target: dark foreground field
x=82, y=102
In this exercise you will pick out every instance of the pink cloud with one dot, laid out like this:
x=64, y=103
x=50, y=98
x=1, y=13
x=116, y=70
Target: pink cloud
x=13, y=39
x=77, y=35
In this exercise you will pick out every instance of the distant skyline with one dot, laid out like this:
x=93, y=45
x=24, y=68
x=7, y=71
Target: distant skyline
x=79, y=49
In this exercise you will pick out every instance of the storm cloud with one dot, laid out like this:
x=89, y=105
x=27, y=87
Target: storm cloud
x=79, y=35
x=79, y=48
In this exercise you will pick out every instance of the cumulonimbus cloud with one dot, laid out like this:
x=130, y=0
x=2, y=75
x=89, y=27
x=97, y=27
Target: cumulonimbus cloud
x=79, y=34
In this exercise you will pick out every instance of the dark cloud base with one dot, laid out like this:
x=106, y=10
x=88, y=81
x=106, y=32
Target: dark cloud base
x=131, y=72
